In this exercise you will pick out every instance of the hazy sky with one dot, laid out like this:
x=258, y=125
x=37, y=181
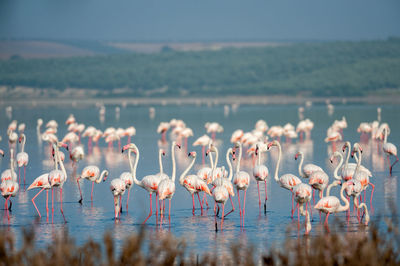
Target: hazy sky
x=200, y=20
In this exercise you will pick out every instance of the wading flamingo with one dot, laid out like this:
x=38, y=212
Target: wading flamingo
x=9, y=174
x=162, y=129
x=302, y=194
x=91, y=173
x=117, y=187
x=202, y=141
x=41, y=182
x=241, y=180
x=260, y=173
x=166, y=188
x=306, y=170
x=361, y=176
x=287, y=181
x=347, y=170
x=331, y=204
x=9, y=188
x=193, y=183
x=389, y=149
x=22, y=157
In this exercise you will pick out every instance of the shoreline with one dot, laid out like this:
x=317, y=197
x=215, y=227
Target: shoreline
x=218, y=100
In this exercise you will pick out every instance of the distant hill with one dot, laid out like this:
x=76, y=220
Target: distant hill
x=318, y=69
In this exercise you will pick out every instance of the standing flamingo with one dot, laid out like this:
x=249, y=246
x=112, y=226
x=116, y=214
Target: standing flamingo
x=241, y=180
x=361, y=176
x=117, y=187
x=389, y=149
x=41, y=182
x=302, y=194
x=22, y=157
x=308, y=169
x=149, y=182
x=166, y=188
x=92, y=173
x=331, y=204
x=319, y=180
x=9, y=174
x=9, y=188
x=287, y=181
x=203, y=141
x=260, y=173
x=57, y=178
x=162, y=129
x=193, y=183
x=220, y=195
x=348, y=168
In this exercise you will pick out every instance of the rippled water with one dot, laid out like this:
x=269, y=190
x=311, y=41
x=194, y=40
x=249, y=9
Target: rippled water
x=92, y=219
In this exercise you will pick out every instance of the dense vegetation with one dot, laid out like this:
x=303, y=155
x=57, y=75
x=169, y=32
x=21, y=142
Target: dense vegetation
x=369, y=247
x=320, y=69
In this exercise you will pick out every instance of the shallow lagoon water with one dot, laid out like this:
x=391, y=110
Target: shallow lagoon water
x=92, y=219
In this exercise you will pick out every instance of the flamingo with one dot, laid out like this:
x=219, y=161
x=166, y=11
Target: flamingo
x=92, y=173
x=348, y=169
x=117, y=187
x=389, y=149
x=203, y=141
x=41, y=182
x=361, y=176
x=128, y=180
x=354, y=189
x=22, y=157
x=70, y=119
x=337, y=178
x=220, y=195
x=237, y=135
x=287, y=181
x=308, y=169
x=213, y=128
x=319, y=180
x=57, y=177
x=130, y=132
x=193, y=183
x=241, y=180
x=222, y=180
x=9, y=174
x=149, y=182
x=302, y=194
x=261, y=125
x=12, y=138
x=162, y=129
x=260, y=173
x=89, y=132
x=21, y=128
x=331, y=204
x=9, y=188
x=77, y=154
x=166, y=188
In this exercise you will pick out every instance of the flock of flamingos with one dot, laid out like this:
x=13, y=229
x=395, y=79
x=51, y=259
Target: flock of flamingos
x=219, y=183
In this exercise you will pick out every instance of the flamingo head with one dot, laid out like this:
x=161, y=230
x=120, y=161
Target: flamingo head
x=297, y=155
x=129, y=146
x=270, y=144
x=347, y=144
x=64, y=145
x=256, y=150
x=2, y=152
x=105, y=175
x=178, y=145
x=192, y=154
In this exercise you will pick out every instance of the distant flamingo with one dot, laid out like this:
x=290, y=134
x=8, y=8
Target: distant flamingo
x=22, y=157
x=331, y=204
x=389, y=149
x=162, y=129
x=260, y=173
x=92, y=173
x=237, y=135
x=348, y=168
x=193, y=183
x=361, y=176
x=287, y=181
x=9, y=188
x=241, y=180
x=213, y=128
x=202, y=141
x=130, y=132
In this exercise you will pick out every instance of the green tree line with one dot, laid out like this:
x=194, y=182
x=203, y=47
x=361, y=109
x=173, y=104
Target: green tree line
x=319, y=69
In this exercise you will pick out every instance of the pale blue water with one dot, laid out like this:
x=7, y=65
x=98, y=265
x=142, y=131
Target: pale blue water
x=91, y=220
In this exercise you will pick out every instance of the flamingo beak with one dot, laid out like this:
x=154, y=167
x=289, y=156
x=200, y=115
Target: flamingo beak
x=297, y=155
x=179, y=146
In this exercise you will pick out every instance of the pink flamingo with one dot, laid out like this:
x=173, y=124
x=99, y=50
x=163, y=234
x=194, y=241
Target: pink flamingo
x=302, y=195
x=162, y=129
x=260, y=173
x=348, y=169
x=117, y=187
x=130, y=132
x=287, y=181
x=9, y=188
x=389, y=149
x=213, y=128
x=241, y=180
x=202, y=141
x=9, y=174
x=166, y=188
x=41, y=182
x=193, y=183
x=22, y=157
x=361, y=176
x=92, y=173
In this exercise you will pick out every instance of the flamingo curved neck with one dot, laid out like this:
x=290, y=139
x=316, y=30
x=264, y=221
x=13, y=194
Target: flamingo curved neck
x=358, y=163
x=301, y=172
x=173, y=162
x=276, y=177
x=58, y=157
x=385, y=134
x=101, y=176
x=23, y=142
x=182, y=177
x=239, y=159
x=134, y=167
x=13, y=174
x=346, y=202
x=216, y=158
x=160, y=161
x=348, y=145
x=228, y=161
x=335, y=173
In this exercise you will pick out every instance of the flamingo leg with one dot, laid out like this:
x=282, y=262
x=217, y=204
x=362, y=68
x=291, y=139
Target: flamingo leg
x=244, y=205
x=266, y=196
x=240, y=209
x=233, y=207
x=391, y=167
x=61, y=208
x=120, y=203
x=47, y=203
x=151, y=211
x=292, y=205
x=298, y=212
x=222, y=217
x=313, y=196
x=8, y=215
x=201, y=205
x=19, y=175
x=169, y=211
x=127, y=201
x=193, y=204
x=156, y=204
x=116, y=209
x=80, y=191
x=52, y=201
x=91, y=195
x=326, y=219
x=259, y=198
x=372, y=192
x=33, y=201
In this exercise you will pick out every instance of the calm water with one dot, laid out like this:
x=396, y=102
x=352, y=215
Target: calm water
x=91, y=220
